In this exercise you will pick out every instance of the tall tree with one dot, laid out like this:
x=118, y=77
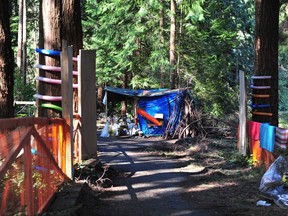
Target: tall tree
x=20, y=33
x=22, y=41
x=71, y=31
x=50, y=39
x=266, y=57
x=61, y=19
x=71, y=27
x=161, y=23
x=172, y=45
x=6, y=62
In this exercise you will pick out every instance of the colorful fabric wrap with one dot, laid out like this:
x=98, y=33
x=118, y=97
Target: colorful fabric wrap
x=253, y=130
x=267, y=136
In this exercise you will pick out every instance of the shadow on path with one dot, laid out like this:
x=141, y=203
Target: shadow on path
x=152, y=185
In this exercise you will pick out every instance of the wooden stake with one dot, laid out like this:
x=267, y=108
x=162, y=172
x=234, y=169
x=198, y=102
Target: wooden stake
x=242, y=115
x=67, y=103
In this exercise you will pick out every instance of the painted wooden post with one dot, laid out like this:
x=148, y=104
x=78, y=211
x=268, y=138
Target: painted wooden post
x=242, y=115
x=67, y=102
x=87, y=103
x=29, y=195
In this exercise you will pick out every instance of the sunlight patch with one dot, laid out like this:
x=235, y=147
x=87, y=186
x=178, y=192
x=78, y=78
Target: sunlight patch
x=212, y=185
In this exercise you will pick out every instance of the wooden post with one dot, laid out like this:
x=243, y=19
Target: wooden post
x=67, y=103
x=29, y=195
x=242, y=115
x=87, y=103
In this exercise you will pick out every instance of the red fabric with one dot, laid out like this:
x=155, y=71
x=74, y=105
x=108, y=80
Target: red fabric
x=149, y=117
x=253, y=130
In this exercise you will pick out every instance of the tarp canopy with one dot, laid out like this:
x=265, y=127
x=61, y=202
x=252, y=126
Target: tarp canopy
x=164, y=105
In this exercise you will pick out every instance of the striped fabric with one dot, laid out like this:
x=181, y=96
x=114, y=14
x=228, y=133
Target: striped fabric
x=281, y=138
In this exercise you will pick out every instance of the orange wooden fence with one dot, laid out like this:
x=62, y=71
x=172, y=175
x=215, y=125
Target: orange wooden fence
x=32, y=163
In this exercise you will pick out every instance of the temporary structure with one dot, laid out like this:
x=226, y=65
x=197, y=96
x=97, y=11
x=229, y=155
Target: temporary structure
x=158, y=111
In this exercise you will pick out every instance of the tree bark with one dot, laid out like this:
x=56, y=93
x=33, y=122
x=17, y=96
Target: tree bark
x=71, y=27
x=161, y=23
x=172, y=45
x=23, y=67
x=51, y=14
x=72, y=32
x=6, y=62
x=266, y=57
x=20, y=34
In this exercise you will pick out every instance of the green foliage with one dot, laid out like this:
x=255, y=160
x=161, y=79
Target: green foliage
x=21, y=91
x=283, y=61
x=213, y=40
x=215, y=52
x=25, y=92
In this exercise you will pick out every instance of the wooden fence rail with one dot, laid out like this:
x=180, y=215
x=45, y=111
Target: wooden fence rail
x=32, y=163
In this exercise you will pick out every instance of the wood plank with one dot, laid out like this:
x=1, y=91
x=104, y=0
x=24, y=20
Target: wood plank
x=28, y=178
x=11, y=123
x=67, y=102
x=87, y=103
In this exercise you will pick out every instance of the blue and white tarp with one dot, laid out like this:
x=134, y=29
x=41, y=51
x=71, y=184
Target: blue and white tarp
x=157, y=102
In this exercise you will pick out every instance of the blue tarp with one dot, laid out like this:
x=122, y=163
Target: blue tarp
x=165, y=102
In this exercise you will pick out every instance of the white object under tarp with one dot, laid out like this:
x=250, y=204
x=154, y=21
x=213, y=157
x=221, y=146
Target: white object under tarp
x=105, y=130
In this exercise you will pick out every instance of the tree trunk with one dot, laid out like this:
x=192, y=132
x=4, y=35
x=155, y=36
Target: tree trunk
x=51, y=13
x=162, y=69
x=124, y=103
x=71, y=25
x=266, y=58
x=22, y=41
x=20, y=34
x=40, y=86
x=177, y=78
x=23, y=67
x=172, y=45
x=6, y=62
x=72, y=32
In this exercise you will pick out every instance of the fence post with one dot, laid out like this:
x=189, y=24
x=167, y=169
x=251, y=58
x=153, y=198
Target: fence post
x=29, y=201
x=242, y=115
x=87, y=103
x=67, y=103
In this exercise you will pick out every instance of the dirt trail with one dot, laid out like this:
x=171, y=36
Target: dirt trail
x=202, y=182
x=153, y=185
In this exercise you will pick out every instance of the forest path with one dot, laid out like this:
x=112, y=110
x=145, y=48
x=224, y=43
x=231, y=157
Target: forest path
x=152, y=185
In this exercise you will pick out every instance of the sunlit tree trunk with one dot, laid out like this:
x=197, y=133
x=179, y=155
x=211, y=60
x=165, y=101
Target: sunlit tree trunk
x=124, y=103
x=20, y=34
x=266, y=57
x=177, y=78
x=22, y=41
x=6, y=62
x=24, y=45
x=172, y=45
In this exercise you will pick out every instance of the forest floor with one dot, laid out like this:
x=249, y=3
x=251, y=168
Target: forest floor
x=150, y=176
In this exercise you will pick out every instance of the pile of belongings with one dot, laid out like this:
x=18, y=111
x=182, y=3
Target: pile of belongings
x=120, y=128
x=274, y=183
